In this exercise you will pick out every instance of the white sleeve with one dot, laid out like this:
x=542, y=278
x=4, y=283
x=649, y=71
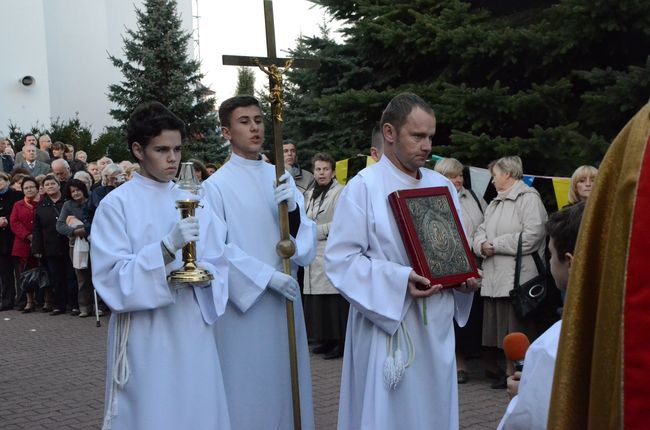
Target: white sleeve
x=375, y=287
x=247, y=276
x=127, y=279
x=211, y=256
x=306, y=238
x=529, y=409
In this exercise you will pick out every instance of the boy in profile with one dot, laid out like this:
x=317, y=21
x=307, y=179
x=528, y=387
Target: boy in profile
x=531, y=389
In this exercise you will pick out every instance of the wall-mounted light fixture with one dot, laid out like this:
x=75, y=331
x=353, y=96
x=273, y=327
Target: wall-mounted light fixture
x=27, y=80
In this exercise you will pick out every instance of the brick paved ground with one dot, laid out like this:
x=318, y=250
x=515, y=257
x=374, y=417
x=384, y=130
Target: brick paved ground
x=52, y=377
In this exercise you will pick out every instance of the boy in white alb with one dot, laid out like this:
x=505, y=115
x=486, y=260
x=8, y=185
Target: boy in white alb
x=252, y=333
x=163, y=365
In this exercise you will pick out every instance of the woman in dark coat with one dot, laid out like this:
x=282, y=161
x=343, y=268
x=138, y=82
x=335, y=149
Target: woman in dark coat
x=52, y=247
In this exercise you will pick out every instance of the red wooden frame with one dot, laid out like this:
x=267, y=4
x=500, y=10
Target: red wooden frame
x=412, y=243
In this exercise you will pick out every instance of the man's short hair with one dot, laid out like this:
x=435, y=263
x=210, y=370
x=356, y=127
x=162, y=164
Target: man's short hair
x=62, y=162
x=228, y=106
x=563, y=227
x=377, y=138
x=149, y=120
x=399, y=108
x=27, y=135
x=321, y=156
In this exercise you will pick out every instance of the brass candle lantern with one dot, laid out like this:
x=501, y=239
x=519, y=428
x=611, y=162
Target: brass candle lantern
x=191, y=189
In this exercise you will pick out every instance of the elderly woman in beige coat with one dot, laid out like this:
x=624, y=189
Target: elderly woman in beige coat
x=517, y=209
x=468, y=338
x=326, y=311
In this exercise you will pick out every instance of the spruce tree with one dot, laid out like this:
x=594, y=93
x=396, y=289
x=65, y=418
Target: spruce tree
x=551, y=81
x=157, y=66
x=245, y=82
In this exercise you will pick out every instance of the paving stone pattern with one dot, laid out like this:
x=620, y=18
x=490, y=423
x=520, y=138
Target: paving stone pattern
x=52, y=373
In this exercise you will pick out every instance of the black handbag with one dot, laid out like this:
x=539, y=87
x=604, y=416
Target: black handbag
x=528, y=297
x=33, y=279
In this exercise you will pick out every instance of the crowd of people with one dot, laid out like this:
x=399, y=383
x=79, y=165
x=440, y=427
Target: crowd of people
x=48, y=196
x=350, y=274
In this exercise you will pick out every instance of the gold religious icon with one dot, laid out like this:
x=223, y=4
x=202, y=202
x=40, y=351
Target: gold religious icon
x=191, y=189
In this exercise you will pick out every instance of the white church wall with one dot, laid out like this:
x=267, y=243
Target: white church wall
x=79, y=71
x=23, y=53
x=64, y=44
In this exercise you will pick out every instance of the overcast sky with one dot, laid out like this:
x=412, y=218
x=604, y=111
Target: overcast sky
x=237, y=28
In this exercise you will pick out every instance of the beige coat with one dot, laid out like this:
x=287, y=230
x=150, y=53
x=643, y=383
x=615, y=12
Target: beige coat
x=322, y=212
x=472, y=214
x=521, y=210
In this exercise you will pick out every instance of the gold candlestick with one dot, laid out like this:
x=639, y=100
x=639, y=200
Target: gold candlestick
x=190, y=273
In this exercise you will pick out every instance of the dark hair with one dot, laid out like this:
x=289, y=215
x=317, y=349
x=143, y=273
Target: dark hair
x=28, y=179
x=228, y=106
x=563, y=227
x=76, y=183
x=211, y=165
x=76, y=166
x=269, y=154
x=19, y=171
x=27, y=135
x=399, y=108
x=51, y=177
x=149, y=120
x=59, y=146
x=18, y=177
x=321, y=156
x=198, y=165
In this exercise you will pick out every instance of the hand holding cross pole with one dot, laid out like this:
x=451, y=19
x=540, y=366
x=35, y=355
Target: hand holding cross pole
x=285, y=247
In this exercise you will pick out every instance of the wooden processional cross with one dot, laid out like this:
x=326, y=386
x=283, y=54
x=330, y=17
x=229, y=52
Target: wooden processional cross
x=285, y=247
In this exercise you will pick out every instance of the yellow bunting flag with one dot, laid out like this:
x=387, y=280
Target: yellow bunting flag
x=342, y=171
x=561, y=188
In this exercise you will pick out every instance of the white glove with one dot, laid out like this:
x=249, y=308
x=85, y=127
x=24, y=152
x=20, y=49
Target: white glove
x=285, y=285
x=285, y=192
x=186, y=230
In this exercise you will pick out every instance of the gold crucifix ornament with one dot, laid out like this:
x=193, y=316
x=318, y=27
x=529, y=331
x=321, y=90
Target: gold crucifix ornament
x=276, y=96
